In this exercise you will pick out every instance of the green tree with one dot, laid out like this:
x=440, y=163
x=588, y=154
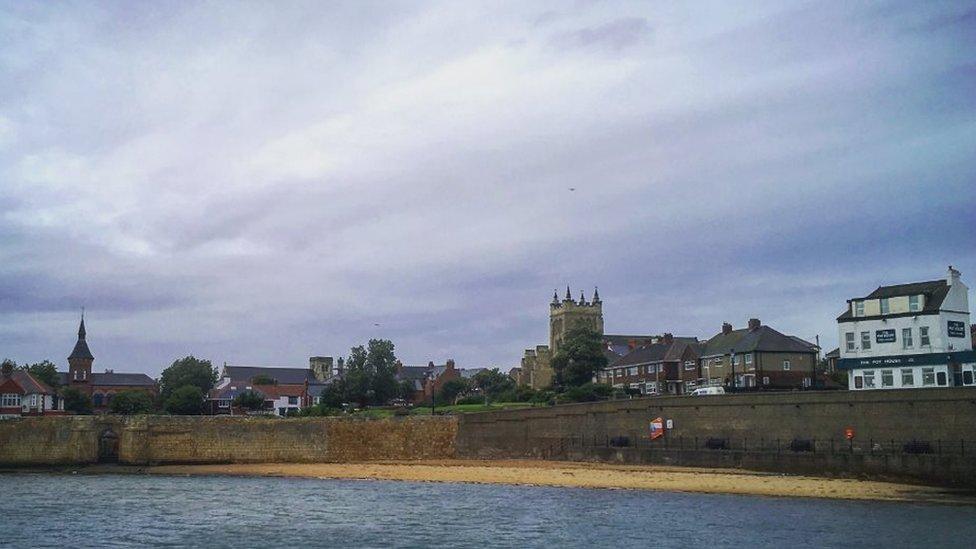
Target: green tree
x=262, y=379
x=76, y=401
x=493, y=383
x=371, y=373
x=186, y=401
x=452, y=390
x=44, y=371
x=579, y=357
x=334, y=395
x=131, y=403
x=187, y=371
x=249, y=400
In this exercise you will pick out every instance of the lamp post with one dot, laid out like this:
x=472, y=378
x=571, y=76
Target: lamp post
x=732, y=363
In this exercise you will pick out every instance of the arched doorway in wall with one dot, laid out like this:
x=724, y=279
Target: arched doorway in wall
x=108, y=447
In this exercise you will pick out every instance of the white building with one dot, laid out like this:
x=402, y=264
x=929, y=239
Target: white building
x=908, y=336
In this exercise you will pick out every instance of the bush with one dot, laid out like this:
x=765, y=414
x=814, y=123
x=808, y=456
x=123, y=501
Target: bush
x=76, y=401
x=471, y=399
x=588, y=392
x=131, y=403
x=249, y=400
x=186, y=401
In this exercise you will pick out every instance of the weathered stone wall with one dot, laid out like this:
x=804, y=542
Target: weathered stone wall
x=174, y=439
x=755, y=425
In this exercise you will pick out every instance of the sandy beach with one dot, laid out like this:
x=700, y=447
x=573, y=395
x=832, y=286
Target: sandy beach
x=590, y=475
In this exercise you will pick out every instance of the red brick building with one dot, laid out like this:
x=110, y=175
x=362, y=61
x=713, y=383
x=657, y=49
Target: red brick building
x=667, y=366
x=21, y=394
x=427, y=380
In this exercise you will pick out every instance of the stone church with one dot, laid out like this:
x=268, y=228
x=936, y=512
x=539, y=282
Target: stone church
x=564, y=315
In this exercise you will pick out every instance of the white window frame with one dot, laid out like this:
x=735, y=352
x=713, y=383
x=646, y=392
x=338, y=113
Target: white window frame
x=10, y=400
x=748, y=359
x=891, y=378
x=858, y=308
x=923, y=337
x=907, y=341
x=787, y=365
x=689, y=365
x=850, y=338
x=865, y=341
x=908, y=374
x=928, y=372
x=884, y=305
x=914, y=303
x=869, y=379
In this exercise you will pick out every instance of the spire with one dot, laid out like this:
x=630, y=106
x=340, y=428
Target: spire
x=596, y=294
x=569, y=296
x=582, y=300
x=81, y=347
x=555, y=298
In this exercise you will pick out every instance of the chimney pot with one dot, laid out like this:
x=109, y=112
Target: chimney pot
x=754, y=323
x=668, y=339
x=726, y=328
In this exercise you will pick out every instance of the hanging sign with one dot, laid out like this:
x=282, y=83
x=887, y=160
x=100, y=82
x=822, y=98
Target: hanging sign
x=657, y=428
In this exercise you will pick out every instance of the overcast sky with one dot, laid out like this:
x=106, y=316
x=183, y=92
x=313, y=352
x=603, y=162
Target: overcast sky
x=260, y=183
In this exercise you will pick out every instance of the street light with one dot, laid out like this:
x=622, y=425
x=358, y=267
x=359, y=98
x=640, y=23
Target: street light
x=732, y=363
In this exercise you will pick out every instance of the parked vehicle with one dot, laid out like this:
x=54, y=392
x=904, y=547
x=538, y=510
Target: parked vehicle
x=705, y=391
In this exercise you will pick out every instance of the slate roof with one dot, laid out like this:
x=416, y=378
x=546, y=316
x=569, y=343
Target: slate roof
x=30, y=384
x=469, y=373
x=935, y=292
x=833, y=354
x=81, y=347
x=110, y=379
x=762, y=339
x=267, y=391
x=287, y=376
x=644, y=354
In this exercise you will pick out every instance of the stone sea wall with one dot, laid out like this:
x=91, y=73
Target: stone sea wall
x=182, y=439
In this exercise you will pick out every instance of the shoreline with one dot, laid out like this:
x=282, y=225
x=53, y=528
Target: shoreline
x=579, y=475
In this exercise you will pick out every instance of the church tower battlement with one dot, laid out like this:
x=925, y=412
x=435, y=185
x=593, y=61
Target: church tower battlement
x=568, y=314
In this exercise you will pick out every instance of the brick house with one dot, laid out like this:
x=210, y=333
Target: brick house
x=21, y=394
x=427, y=380
x=760, y=356
x=669, y=365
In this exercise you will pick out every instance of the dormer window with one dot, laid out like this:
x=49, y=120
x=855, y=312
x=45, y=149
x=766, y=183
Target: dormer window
x=885, y=308
x=914, y=303
x=858, y=308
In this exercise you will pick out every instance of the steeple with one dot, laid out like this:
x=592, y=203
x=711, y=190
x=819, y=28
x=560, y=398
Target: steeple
x=555, y=298
x=569, y=296
x=582, y=300
x=81, y=347
x=596, y=294
x=80, y=360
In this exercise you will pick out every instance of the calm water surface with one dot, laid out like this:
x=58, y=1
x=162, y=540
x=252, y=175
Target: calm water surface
x=50, y=510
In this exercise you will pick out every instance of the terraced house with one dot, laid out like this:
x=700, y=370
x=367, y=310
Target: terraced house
x=757, y=357
x=668, y=365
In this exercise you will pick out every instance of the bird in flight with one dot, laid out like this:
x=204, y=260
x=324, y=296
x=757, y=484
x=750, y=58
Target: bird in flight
x=572, y=188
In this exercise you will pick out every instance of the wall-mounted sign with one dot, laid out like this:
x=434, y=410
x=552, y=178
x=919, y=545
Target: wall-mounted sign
x=957, y=329
x=657, y=428
x=670, y=424
x=884, y=336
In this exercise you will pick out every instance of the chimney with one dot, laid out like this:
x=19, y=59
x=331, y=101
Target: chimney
x=668, y=339
x=754, y=324
x=953, y=276
x=450, y=364
x=631, y=344
x=726, y=328
x=399, y=366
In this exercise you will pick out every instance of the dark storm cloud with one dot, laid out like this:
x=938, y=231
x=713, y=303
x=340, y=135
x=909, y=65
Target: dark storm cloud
x=262, y=184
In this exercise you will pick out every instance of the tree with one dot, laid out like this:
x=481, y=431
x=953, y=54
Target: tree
x=453, y=389
x=186, y=401
x=187, y=371
x=262, y=379
x=76, y=401
x=579, y=357
x=44, y=371
x=334, y=395
x=492, y=383
x=371, y=373
x=131, y=403
x=249, y=400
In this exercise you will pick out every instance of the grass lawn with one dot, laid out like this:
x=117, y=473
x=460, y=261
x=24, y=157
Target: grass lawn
x=468, y=408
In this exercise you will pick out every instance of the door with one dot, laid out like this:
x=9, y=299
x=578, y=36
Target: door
x=108, y=447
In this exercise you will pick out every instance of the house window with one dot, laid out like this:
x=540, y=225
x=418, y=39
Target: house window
x=9, y=400
x=941, y=378
x=97, y=399
x=858, y=308
x=885, y=308
x=923, y=336
x=849, y=338
x=786, y=365
x=869, y=379
x=967, y=377
x=906, y=338
x=689, y=365
x=928, y=376
x=913, y=303
x=292, y=400
x=865, y=341
x=887, y=378
x=33, y=400
x=858, y=382
x=737, y=360
x=748, y=359
x=907, y=377
x=632, y=371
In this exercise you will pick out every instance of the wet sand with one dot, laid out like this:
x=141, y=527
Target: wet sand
x=590, y=475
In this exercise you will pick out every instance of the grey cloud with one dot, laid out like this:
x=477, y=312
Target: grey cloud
x=613, y=36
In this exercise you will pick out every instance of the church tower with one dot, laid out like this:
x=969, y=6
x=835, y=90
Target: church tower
x=80, y=360
x=568, y=314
